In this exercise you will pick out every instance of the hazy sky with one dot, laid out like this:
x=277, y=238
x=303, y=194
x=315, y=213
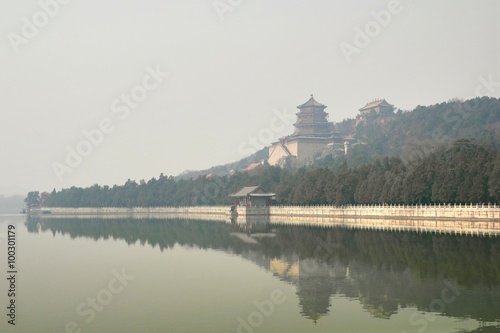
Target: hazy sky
x=236, y=69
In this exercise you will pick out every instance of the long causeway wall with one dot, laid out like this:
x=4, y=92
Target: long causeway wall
x=212, y=213
x=453, y=212
x=470, y=219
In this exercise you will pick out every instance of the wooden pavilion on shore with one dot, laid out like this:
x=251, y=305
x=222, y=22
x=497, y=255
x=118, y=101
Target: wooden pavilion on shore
x=253, y=196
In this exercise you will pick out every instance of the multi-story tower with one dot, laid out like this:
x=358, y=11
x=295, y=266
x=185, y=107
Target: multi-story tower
x=315, y=136
x=312, y=134
x=312, y=120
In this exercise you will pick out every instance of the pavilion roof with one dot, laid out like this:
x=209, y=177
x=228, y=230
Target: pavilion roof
x=380, y=102
x=311, y=102
x=251, y=191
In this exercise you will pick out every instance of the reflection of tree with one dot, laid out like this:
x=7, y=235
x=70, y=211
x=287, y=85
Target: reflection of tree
x=390, y=270
x=485, y=329
x=469, y=260
x=381, y=292
x=33, y=224
x=383, y=270
x=161, y=233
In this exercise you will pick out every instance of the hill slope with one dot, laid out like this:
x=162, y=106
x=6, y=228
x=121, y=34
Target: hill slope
x=444, y=153
x=415, y=134
x=408, y=135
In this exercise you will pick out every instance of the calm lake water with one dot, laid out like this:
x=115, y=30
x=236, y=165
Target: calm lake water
x=121, y=275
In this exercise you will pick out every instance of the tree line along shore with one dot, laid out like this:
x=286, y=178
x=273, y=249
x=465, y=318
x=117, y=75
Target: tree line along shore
x=462, y=172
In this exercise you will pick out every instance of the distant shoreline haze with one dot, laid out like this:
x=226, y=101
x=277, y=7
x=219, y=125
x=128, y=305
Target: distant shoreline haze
x=12, y=204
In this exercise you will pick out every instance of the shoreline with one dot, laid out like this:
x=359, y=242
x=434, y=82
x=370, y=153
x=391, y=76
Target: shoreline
x=468, y=220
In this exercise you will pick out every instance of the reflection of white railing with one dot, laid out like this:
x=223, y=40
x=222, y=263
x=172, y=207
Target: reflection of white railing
x=472, y=211
x=483, y=228
x=124, y=210
x=474, y=219
x=463, y=219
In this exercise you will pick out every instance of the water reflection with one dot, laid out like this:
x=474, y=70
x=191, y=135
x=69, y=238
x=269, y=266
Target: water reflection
x=455, y=276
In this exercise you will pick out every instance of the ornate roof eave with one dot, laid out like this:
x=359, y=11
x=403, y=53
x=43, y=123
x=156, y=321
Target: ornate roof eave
x=380, y=102
x=311, y=102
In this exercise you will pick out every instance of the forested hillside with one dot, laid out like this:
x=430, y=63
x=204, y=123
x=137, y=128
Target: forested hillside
x=225, y=169
x=414, y=134
x=408, y=135
x=445, y=153
x=462, y=172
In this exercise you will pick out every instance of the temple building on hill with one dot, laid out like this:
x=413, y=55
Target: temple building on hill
x=313, y=134
x=378, y=107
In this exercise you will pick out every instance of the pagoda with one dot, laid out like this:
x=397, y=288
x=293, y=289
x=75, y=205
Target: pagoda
x=312, y=120
x=313, y=132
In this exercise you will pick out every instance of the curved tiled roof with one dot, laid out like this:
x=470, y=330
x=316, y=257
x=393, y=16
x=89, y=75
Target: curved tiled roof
x=380, y=102
x=311, y=102
x=249, y=191
x=245, y=191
